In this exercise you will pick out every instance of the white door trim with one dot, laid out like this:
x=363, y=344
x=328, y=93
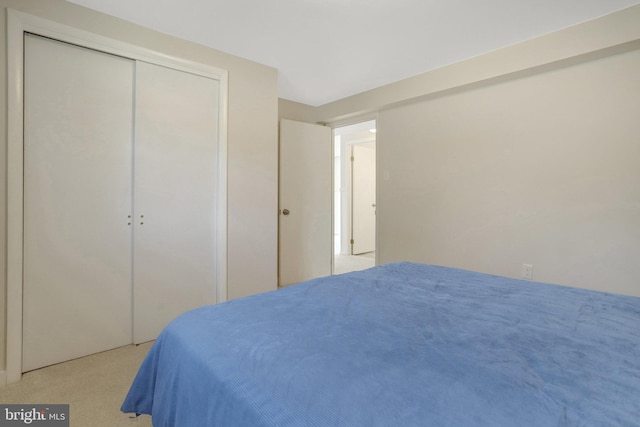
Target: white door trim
x=17, y=24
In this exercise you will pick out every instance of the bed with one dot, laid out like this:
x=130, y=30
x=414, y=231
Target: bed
x=402, y=344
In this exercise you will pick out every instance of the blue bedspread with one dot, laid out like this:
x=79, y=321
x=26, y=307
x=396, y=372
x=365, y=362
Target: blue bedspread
x=399, y=345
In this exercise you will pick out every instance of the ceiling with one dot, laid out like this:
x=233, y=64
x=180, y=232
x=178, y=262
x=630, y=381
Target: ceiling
x=326, y=50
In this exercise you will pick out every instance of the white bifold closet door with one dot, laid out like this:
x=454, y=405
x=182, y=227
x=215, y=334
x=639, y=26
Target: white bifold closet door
x=119, y=199
x=77, y=196
x=175, y=196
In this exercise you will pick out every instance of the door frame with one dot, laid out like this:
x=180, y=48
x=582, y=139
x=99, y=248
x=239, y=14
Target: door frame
x=19, y=23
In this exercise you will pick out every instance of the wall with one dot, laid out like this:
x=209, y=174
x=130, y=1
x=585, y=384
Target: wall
x=539, y=169
x=292, y=110
x=252, y=144
x=524, y=155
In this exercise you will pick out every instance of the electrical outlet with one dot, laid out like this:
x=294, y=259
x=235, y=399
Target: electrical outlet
x=527, y=271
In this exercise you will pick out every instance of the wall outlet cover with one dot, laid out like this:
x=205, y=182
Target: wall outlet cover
x=527, y=271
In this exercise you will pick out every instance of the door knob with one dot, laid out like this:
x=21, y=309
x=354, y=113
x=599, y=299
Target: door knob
x=285, y=211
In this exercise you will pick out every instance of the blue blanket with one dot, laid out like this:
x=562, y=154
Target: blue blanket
x=399, y=345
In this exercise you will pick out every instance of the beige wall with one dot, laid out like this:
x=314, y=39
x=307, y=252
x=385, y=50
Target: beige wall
x=291, y=110
x=528, y=154
x=540, y=169
x=252, y=144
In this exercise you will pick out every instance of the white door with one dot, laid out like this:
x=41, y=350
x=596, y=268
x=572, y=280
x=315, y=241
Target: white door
x=77, y=196
x=305, y=244
x=363, y=197
x=176, y=143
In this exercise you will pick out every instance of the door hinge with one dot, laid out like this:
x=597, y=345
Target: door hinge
x=353, y=158
x=352, y=241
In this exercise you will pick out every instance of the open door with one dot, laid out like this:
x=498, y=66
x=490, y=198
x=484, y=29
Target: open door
x=363, y=198
x=305, y=234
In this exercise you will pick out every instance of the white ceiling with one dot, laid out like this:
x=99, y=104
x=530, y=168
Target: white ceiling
x=326, y=50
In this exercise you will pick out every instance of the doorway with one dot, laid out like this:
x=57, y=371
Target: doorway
x=354, y=202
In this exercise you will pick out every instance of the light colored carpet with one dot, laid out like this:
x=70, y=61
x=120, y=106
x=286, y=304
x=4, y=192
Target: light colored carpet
x=93, y=386
x=347, y=263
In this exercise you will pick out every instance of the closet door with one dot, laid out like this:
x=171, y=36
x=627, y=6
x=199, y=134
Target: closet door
x=176, y=142
x=77, y=196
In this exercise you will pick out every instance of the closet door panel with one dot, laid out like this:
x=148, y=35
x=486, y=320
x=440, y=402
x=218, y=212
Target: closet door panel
x=77, y=195
x=176, y=141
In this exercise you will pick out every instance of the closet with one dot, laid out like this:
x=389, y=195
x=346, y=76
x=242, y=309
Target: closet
x=120, y=179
